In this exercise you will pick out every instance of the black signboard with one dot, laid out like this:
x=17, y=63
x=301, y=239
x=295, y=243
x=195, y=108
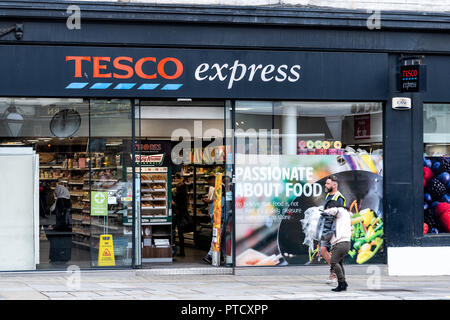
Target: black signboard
x=410, y=78
x=76, y=71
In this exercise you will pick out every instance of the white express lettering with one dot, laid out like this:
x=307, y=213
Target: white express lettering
x=233, y=73
x=266, y=71
x=282, y=72
x=201, y=69
x=295, y=73
x=239, y=72
x=218, y=72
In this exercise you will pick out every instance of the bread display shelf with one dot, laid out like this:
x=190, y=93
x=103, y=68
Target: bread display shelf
x=152, y=217
x=153, y=190
x=154, y=181
x=76, y=182
x=87, y=168
x=153, y=199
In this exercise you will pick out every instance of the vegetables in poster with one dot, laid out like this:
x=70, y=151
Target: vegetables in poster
x=367, y=234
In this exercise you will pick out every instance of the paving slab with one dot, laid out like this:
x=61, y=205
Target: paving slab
x=84, y=294
x=23, y=295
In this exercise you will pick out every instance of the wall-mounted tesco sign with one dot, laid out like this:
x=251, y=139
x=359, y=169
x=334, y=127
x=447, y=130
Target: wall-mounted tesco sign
x=123, y=67
x=207, y=73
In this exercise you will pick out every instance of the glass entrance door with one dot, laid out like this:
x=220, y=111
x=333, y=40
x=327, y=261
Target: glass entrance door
x=110, y=183
x=181, y=149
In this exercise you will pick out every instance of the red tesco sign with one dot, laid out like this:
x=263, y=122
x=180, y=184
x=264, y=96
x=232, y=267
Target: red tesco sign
x=101, y=67
x=362, y=127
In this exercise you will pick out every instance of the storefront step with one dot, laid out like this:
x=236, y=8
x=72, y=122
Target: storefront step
x=185, y=271
x=372, y=269
x=154, y=271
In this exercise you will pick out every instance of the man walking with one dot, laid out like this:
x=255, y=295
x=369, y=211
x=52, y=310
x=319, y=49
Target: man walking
x=340, y=241
x=333, y=194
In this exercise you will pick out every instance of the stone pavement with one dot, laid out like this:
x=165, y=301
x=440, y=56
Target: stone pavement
x=245, y=284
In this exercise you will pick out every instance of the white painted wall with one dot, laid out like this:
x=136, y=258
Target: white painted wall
x=17, y=214
x=418, y=261
x=391, y=5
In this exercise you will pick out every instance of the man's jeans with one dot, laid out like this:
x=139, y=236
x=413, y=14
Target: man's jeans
x=338, y=252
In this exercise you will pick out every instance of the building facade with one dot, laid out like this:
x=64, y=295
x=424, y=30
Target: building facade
x=285, y=96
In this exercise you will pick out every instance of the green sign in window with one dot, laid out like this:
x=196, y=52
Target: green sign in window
x=99, y=203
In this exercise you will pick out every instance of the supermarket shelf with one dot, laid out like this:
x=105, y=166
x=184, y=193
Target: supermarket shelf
x=81, y=243
x=106, y=226
x=82, y=169
x=84, y=244
x=73, y=194
x=154, y=216
x=50, y=167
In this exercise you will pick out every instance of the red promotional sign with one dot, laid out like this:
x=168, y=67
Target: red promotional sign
x=362, y=127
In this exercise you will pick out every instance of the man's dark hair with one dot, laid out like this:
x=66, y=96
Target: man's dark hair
x=333, y=178
x=333, y=204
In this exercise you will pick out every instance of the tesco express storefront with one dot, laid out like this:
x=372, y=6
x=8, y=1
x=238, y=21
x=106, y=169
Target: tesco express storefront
x=289, y=120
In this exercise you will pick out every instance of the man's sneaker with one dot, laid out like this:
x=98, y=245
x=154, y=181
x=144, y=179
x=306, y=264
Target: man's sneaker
x=332, y=279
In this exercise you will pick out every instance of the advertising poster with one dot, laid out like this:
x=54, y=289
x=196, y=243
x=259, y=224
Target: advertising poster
x=436, y=183
x=276, y=195
x=217, y=213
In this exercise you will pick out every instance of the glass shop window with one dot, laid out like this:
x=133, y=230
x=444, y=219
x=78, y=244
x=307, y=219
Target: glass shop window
x=292, y=157
x=436, y=168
